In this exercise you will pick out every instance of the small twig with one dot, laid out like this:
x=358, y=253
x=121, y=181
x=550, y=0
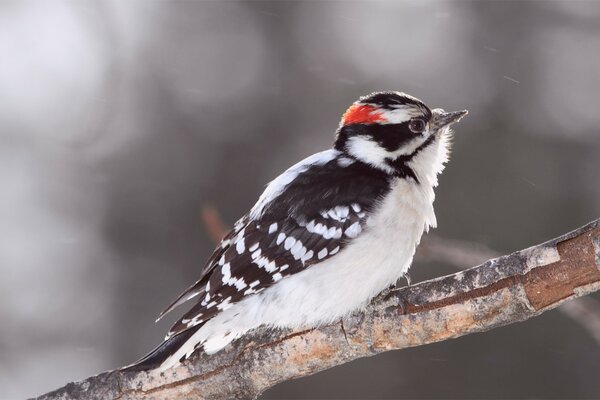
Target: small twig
x=213, y=224
x=586, y=312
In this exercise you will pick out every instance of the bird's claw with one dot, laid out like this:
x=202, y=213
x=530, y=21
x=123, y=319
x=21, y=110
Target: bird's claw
x=406, y=276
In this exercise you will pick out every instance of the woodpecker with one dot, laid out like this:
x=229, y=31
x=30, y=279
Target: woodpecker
x=326, y=236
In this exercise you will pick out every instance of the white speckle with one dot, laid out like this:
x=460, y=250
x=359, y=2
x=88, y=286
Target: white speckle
x=255, y=254
x=211, y=304
x=353, y=231
x=322, y=254
x=332, y=252
x=280, y=238
x=342, y=211
x=324, y=214
x=271, y=266
x=264, y=262
x=192, y=322
x=239, y=223
x=322, y=230
x=356, y=207
x=331, y=233
x=333, y=214
x=233, y=281
x=260, y=261
x=207, y=298
x=337, y=233
x=240, y=246
x=284, y=267
x=255, y=283
x=240, y=284
x=207, y=289
x=226, y=272
x=312, y=227
x=254, y=247
x=277, y=276
x=222, y=260
x=298, y=250
x=273, y=227
x=248, y=291
x=297, y=246
x=345, y=162
x=225, y=304
x=289, y=242
x=307, y=256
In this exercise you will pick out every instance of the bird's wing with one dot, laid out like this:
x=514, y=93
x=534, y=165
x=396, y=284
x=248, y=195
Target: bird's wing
x=264, y=253
x=301, y=223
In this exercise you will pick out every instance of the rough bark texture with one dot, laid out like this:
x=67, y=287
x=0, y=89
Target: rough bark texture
x=499, y=292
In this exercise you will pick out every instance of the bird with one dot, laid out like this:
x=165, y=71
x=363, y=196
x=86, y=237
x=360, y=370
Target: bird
x=326, y=236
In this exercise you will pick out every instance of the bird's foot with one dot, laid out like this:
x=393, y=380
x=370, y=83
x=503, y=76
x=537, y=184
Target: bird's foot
x=405, y=276
x=402, y=301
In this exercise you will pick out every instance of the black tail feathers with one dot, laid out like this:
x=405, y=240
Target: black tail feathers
x=167, y=348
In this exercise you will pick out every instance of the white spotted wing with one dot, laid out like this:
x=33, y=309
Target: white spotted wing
x=258, y=253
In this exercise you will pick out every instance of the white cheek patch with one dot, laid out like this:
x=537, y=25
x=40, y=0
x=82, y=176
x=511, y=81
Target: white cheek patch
x=370, y=152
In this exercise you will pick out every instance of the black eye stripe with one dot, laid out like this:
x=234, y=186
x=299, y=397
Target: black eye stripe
x=389, y=136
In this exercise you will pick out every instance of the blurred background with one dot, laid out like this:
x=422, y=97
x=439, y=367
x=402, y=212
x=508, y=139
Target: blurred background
x=121, y=120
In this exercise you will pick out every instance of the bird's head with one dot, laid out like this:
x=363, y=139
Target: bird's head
x=396, y=133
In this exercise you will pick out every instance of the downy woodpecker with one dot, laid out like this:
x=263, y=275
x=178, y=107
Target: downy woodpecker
x=326, y=236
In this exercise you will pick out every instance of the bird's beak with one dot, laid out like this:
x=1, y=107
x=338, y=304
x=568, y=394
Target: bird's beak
x=442, y=118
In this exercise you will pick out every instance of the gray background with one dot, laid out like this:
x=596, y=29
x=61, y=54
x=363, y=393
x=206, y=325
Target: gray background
x=120, y=120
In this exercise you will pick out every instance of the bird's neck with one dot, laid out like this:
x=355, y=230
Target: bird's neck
x=430, y=159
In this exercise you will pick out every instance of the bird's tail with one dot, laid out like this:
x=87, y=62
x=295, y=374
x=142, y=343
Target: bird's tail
x=163, y=352
x=212, y=337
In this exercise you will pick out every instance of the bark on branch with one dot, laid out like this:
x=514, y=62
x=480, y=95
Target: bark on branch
x=499, y=292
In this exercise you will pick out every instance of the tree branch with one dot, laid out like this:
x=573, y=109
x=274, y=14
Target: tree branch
x=584, y=311
x=501, y=291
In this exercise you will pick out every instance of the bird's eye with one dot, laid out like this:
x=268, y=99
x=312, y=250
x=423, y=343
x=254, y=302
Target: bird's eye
x=417, y=125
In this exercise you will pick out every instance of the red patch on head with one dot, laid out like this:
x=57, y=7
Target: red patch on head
x=362, y=114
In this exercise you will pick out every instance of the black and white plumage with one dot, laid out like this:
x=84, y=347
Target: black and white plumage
x=327, y=235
